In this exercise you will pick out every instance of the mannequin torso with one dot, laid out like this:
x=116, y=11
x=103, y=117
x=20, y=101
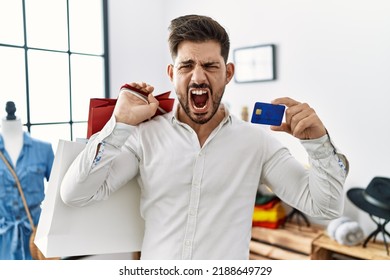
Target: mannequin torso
x=32, y=160
x=12, y=132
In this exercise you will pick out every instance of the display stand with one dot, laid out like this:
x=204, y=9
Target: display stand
x=380, y=229
x=325, y=248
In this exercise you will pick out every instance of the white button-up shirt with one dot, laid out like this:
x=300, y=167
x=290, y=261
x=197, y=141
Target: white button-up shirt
x=198, y=202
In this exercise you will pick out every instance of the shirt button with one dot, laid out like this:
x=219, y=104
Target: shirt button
x=188, y=242
x=192, y=212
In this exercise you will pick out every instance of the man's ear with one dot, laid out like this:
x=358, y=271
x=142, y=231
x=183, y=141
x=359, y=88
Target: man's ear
x=229, y=72
x=170, y=72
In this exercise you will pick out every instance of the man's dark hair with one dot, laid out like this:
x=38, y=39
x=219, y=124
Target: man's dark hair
x=197, y=28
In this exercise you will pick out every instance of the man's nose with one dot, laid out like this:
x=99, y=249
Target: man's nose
x=198, y=75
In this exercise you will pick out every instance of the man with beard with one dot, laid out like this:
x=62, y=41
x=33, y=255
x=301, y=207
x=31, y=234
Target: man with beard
x=199, y=167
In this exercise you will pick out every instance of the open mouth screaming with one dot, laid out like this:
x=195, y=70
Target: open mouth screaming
x=199, y=98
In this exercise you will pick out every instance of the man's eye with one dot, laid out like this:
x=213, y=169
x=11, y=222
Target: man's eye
x=185, y=67
x=211, y=66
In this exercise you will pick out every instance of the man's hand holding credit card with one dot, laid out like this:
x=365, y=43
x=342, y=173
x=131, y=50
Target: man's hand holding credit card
x=300, y=120
x=269, y=114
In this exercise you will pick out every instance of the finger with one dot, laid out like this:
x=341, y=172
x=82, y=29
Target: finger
x=149, y=88
x=298, y=117
x=138, y=85
x=284, y=127
x=310, y=127
x=304, y=128
x=142, y=86
x=152, y=99
x=134, y=84
x=289, y=102
x=152, y=104
x=146, y=87
x=295, y=110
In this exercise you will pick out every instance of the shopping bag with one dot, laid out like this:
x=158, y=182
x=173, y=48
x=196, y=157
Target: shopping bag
x=110, y=226
x=101, y=109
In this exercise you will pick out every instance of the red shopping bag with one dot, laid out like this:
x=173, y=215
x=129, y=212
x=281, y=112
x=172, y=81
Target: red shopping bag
x=100, y=109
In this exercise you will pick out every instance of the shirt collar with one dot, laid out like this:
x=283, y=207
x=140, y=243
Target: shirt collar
x=175, y=119
x=27, y=141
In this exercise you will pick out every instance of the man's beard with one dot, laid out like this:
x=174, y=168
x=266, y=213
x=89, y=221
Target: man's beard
x=186, y=107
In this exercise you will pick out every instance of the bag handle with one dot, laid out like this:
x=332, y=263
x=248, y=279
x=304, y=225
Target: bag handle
x=20, y=190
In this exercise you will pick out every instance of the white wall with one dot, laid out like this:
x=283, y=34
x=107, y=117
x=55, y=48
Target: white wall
x=137, y=35
x=333, y=54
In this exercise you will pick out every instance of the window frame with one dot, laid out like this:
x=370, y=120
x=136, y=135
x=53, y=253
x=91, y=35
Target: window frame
x=105, y=56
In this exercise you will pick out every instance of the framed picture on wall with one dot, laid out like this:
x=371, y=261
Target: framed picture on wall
x=254, y=64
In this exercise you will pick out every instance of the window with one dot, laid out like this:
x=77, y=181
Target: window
x=53, y=59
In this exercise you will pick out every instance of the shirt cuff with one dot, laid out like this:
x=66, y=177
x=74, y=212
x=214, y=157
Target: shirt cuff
x=319, y=148
x=323, y=148
x=114, y=133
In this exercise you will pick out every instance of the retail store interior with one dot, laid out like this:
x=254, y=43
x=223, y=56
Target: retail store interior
x=333, y=55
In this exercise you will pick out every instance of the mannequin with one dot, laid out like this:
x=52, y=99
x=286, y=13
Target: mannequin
x=12, y=132
x=32, y=160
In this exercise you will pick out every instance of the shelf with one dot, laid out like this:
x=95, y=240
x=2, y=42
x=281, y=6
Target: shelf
x=324, y=248
x=293, y=242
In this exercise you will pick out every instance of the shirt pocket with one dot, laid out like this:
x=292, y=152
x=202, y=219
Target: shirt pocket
x=33, y=184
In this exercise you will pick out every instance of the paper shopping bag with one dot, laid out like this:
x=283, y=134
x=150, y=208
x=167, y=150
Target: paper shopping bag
x=100, y=111
x=110, y=226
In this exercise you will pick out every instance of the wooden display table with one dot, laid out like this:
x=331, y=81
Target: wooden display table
x=292, y=242
x=323, y=248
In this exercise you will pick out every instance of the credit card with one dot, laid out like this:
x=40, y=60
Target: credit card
x=266, y=113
